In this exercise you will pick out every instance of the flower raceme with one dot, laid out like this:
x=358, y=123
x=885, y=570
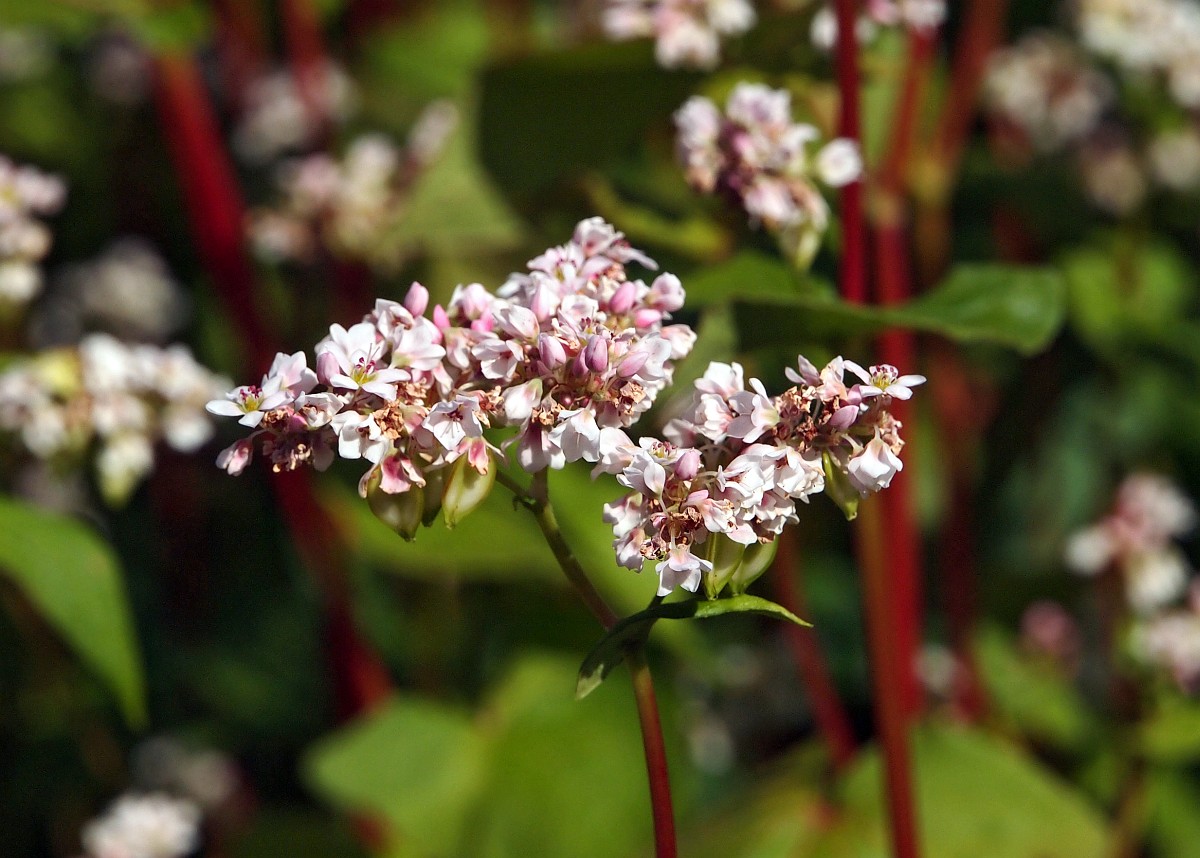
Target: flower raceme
x=756, y=155
x=567, y=355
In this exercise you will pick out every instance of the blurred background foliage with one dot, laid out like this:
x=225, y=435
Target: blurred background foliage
x=190, y=611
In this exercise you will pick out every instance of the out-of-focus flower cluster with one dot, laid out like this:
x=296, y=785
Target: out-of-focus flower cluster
x=1145, y=37
x=276, y=119
x=351, y=208
x=126, y=291
x=914, y=15
x=26, y=194
x=1050, y=94
x=1137, y=542
x=756, y=155
x=561, y=351
x=734, y=464
x=686, y=32
x=111, y=399
x=150, y=825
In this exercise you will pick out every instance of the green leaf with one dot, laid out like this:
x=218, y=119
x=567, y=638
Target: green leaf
x=71, y=577
x=1036, y=698
x=416, y=763
x=1021, y=308
x=1171, y=733
x=556, y=115
x=751, y=276
x=976, y=795
x=633, y=630
x=1174, y=825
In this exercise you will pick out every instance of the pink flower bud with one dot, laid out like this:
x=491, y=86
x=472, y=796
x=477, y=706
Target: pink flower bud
x=483, y=324
x=633, y=363
x=440, y=319
x=417, y=299
x=646, y=317
x=596, y=354
x=622, y=299
x=327, y=367
x=688, y=465
x=545, y=302
x=551, y=351
x=844, y=417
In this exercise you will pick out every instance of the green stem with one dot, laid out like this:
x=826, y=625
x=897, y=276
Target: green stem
x=537, y=500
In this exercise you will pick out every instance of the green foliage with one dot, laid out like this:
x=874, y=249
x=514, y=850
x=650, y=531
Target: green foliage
x=533, y=774
x=71, y=577
x=1035, y=697
x=555, y=115
x=633, y=630
x=976, y=795
x=1020, y=308
x=1171, y=732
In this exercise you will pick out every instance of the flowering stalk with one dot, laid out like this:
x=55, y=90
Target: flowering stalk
x=852, y=278
x=537, y=501
x=828, y=709
x=891, y=698
x=879, y=596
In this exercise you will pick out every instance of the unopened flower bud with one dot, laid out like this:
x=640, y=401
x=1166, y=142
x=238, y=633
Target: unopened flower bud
x=417, y=299
x=755, y=561
x=688, y=465
x=596, y=354
x=632, y=363
x=622, y=299
x=551, y=351
x=327, y=366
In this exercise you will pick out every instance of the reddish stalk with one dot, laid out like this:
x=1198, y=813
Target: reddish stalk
x=879, y=597
x=308, y=58
x=216, y=215
x=241, y=44
x=852, y=278
x=537, y=501
x=883, y=612
x=828, y=710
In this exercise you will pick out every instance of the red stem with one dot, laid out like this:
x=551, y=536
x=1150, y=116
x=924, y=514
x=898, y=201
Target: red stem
x=853, y=274
x=309, y=59
x=216, y=215
x=656, y=755
x=828, y=710
x=879, y=597
x=241, y=44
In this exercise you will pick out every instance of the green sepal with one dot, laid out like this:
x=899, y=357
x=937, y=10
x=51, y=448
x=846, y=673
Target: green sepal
x=726, y=556
x=756, y=559
x=633, y=630
x=839, y=489
x=466, y=489
x=401, y=512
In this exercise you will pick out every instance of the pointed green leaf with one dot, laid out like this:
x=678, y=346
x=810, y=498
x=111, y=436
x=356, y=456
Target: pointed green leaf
x=633, y=630
x=71, y=577
x=1021, y=308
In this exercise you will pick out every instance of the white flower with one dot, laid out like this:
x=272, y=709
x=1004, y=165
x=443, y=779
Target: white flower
x=681, y=568
x=874, y=468
x=144, y=826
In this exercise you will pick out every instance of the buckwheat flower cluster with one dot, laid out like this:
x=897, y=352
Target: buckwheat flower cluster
x=756, y=155
x=913, y=15
x=1045, y=88
x=1170, y=641
x=735, y=463
x=352, y=207
x=1136, y=541
x=108, y=399
x=1148, y=37
x=126, y=291
x=151, y=825
x=26, y=194
x=277, y=120
x=686, y=32
x=563, y=351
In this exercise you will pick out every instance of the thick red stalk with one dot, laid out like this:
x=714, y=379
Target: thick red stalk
x=308, y=58
x=879, y=597
x=241, y=45
x=828, y=710
x=216, y=216
x=852, y=278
